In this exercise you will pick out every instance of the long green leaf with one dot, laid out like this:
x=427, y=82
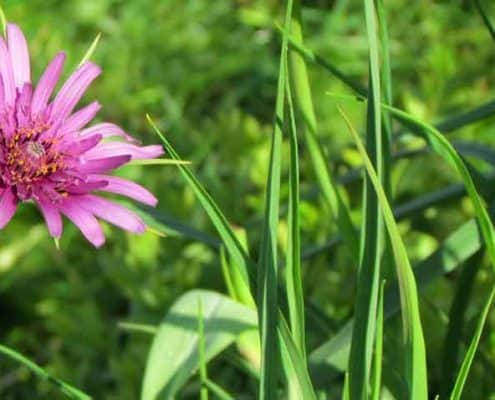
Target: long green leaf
x=485, y=18
x=65, y=388
x=468, y=359
x=372, y=242
x=377, y=360
x=454, y=251
x=415, y=355
x=327, y=184
x=294, y=287
x=267, y=297
x=239, y=257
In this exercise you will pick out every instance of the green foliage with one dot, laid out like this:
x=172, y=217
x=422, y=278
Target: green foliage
x=207, y=71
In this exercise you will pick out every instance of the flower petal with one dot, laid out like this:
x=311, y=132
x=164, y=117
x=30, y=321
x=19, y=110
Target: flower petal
x=19, y=55
x=7, y=74
x=8, y=205
x=47, y=83
x=106, y=129
x=127, y=188
x=72, y=91
x=84, y=220
x=112, y=149
x=113, y=213
x=52, y=217
x=102, y=165
x=79, y=119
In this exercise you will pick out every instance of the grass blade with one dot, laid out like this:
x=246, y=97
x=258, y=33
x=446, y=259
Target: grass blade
x=90, y=50
x=415, y=356
x=240, y=260
x=372, y=231
x=268, y=264
x=294, y=287
x=377, y=364
x=453, y=337
x=203, y=372
x=468, y=359
x=325, y=180
x=65, y=388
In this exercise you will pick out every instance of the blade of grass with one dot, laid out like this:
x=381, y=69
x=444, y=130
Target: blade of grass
x=415, y=356
x=294, y=287
x=233, y=245
x=267, y=263
x=203, y=372
x=468, y=359
x=90, y=50
x=65, y=388
x=371, y=231
x=136, y=327
x=241, y=261
x=325, y=180
x=453, y=337
x=376, y=382
x=217, y=390
x=454, y=251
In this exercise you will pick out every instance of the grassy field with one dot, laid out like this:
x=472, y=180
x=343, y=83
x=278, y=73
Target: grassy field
x=211, y=75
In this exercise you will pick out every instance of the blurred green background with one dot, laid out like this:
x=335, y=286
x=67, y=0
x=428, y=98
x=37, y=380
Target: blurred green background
x=206, y=71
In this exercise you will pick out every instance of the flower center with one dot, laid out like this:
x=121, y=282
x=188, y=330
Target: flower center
x=29, y=158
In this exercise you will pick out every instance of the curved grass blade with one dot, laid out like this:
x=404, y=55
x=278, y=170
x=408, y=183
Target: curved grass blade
x=232, y=244
x=138, y=328
x=246, y=267
x=372, y=235
x=219, y=392
x=415, y=355
x=468, y=359
x=65, y=388
x=267, y=296
x=294, y=287
x=326, y=182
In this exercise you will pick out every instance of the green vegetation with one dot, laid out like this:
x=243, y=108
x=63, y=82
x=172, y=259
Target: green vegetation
x=339, y=180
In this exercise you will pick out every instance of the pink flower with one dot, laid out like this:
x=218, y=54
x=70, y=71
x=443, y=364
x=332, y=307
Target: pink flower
x=49, y=156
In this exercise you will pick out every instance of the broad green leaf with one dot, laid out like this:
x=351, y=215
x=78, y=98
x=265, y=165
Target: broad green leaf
x=70, y=391
x=173, y=356
x=414, y=346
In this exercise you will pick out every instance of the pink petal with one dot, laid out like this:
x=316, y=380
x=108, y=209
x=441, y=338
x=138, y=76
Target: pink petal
x=84, y=220
x=79, y=119
x=19, y=55
x=113, y=213
x=106, y=130
x=111, y=149
x=72, y=91
x=8, y=205
x=128, y=188
x=86, y=187
x=52, y=217
x=47, y=83
x=76, y=148
x=7, y=74
x=103, y=165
